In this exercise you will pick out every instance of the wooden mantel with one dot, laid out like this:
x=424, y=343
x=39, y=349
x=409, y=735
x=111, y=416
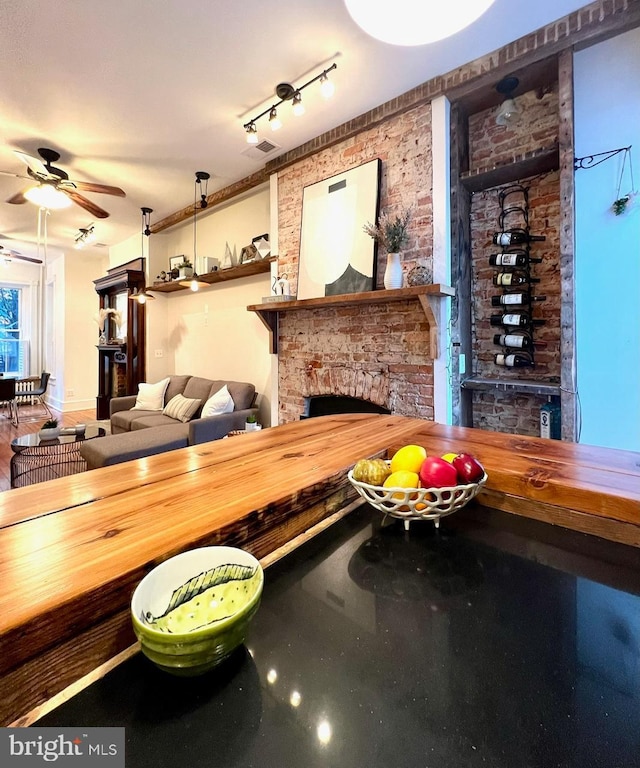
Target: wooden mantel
x=427, y=295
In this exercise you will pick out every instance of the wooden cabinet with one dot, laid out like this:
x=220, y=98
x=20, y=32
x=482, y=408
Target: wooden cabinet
x=121, y=355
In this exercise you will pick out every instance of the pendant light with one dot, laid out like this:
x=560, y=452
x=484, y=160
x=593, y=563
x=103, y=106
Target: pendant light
x=509, y=112
x=142, y=297
x=201, y=176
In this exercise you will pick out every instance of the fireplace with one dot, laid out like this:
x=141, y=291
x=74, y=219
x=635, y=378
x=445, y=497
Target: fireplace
x=325, y=405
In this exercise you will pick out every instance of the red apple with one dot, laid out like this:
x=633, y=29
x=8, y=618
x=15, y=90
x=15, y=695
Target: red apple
x=437, y=473
x=469, y=469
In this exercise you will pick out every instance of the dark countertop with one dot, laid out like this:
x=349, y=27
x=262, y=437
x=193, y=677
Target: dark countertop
x=514, y=646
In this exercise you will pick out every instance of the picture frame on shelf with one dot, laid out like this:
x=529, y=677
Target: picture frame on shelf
x=175, y=262
x=248, y=254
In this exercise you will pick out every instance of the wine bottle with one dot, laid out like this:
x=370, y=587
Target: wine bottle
x=513, y=360
x=510, y=318
x=514, y=298
x=513, y=278
x=513, y=340
x=512, y=259
x=516, y=237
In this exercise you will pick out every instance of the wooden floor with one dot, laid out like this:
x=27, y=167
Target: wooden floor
x=31, y=419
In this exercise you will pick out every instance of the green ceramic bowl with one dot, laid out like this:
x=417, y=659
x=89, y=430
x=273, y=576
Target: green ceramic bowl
x=191, y=611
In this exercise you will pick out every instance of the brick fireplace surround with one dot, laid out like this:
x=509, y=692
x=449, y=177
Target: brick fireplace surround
x=380, y=352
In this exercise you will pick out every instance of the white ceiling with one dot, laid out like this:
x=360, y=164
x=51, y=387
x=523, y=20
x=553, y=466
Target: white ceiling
x=140, y=94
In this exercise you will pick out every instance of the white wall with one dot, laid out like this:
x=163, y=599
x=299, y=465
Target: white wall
x=210, y=333
x=72, y=333
x=607, y=116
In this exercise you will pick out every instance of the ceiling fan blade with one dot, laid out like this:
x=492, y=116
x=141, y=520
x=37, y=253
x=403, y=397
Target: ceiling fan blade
x=78, y=199
x=36, y=165
x=87, y=186
x=15, y=175
x=17, y=199
x=14, y=255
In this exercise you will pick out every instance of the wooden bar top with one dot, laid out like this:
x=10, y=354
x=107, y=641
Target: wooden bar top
x=72, y=550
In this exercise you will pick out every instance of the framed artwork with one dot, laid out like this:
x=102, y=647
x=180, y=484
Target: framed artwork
x=336, y=255
x=248, y=253
x=174, y=262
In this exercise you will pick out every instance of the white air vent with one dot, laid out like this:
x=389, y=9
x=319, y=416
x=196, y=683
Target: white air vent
x=258, y=151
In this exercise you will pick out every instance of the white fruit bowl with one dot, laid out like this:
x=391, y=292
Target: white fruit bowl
x=417, y=503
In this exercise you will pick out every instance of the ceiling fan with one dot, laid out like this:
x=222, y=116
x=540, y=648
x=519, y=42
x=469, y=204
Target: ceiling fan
x=7, y=254
x=51, y=180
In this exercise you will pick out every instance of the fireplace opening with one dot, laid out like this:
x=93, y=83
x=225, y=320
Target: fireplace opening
x=326, y=405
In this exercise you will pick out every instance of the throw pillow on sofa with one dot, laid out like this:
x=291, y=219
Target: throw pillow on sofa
x=181, y=408
x=220, y=402
x=151, y=396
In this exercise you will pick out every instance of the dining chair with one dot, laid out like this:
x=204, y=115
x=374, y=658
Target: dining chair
x=8, y=399
x=37, y=393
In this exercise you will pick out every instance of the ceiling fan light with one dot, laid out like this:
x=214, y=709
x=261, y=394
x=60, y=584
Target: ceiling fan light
x=47, y=196
x=405, y=22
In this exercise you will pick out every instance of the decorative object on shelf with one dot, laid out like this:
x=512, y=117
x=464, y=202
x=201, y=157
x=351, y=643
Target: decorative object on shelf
x=509, y=112
x=227, y=261
x=410, y=23
x=185, y=269
x=288, y=92
x=248, y=254
x=49, y=430
x=336, y=257
x=281, y=286
x=391, y=234
x=393, y=275
x=175, y=262
x=102, y=319
x=420, y=275
x=262, y=246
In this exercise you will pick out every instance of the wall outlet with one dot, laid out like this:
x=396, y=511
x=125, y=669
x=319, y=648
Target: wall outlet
x=159, y=353
x=70, y=393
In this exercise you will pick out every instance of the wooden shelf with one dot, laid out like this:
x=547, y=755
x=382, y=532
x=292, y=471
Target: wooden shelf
x=528, y=386
x=520, y=167
x=220, y=276
x=427, y=295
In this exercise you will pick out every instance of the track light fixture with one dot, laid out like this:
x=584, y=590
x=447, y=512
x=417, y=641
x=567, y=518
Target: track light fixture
x=85, y=236
x=509, y=111
x=288, y=92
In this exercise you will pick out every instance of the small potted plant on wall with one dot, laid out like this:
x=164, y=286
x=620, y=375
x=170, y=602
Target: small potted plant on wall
x=185, y=269
x=49, y=430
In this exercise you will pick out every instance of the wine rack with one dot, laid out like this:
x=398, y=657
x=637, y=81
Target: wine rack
x=515, y=305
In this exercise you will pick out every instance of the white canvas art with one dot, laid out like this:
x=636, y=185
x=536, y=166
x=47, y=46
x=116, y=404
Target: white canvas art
x=336, y=255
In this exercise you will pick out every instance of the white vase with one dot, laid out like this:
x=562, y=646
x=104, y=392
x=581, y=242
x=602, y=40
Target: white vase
x=393, y=273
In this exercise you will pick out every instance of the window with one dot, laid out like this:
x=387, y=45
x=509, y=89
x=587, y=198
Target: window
x=14, y=346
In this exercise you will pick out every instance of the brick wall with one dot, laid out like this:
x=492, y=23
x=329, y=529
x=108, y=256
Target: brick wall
x=490, y=145
x=383, y=345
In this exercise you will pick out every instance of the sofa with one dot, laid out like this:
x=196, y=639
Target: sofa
x=137, y=432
